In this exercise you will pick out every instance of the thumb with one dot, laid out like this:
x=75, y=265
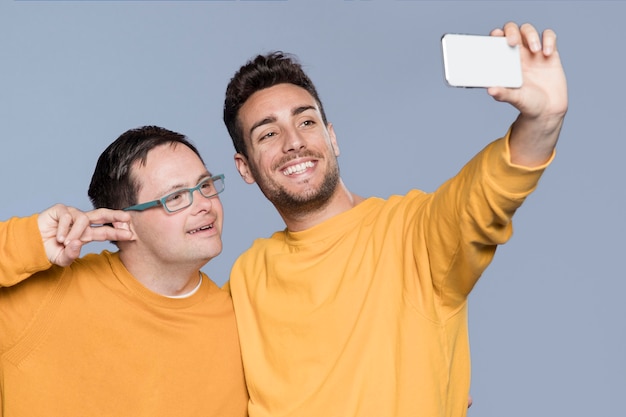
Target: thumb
x=69, y=254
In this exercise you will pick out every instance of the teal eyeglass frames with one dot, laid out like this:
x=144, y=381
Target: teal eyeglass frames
x=183, y=198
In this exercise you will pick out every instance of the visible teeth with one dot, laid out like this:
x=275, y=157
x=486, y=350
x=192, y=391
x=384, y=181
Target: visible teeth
x=299, y=168
x=201, y=228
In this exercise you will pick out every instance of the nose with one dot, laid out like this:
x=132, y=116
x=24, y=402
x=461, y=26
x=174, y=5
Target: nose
x=293, y=141
x=201, y=202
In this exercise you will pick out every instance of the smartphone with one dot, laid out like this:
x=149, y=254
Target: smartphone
x=480, y=61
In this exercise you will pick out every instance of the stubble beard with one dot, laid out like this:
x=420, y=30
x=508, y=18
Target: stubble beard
x=298, y=205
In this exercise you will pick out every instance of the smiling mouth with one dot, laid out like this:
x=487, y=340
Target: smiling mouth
x=298, y=168
x=210, y=226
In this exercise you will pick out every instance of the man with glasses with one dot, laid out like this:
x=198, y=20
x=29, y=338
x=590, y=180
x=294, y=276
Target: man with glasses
x=137, y=332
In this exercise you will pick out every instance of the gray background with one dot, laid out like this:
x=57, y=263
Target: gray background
x=547, y=318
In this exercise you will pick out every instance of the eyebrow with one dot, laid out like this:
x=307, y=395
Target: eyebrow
x=267, y=120
x=272, y=119
x=176, y=187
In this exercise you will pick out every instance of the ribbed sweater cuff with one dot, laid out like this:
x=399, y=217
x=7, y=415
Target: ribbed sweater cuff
x=25, y=237
x=518, y=179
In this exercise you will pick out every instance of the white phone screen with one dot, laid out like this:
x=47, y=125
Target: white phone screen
x=480, y=61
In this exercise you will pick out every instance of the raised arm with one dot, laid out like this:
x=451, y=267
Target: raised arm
x=541, y=101
x=65, y=230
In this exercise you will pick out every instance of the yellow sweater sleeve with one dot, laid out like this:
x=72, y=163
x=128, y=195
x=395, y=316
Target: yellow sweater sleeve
x=21, y=253
x=468, y=216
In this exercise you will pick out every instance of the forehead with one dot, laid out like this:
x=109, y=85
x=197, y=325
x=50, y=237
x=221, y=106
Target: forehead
x=169, y=166
x=273, y=101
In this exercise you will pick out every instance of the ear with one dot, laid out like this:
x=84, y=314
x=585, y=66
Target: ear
x=241, y=162
x=333, y=138
x=126, y=226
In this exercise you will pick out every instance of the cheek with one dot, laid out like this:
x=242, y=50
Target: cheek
x=265, y=156
x=153, y=226
x=219, y=211
x=254, y=169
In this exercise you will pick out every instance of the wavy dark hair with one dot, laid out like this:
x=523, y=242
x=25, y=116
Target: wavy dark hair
x=262, y=72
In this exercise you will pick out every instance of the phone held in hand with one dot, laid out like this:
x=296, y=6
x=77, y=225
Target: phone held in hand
x=480, y=61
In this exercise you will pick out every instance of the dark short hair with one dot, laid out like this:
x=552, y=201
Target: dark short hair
x=112, y=184
x=262, y=72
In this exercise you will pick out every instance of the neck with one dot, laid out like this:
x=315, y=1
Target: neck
x=341, y=201
x=167, y=281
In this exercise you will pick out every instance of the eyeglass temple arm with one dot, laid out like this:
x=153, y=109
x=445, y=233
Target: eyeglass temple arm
x=143, y=206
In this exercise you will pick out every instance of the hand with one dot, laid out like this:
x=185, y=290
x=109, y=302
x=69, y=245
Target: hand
x=542, y=99
x=544, y=89
x=65, y=230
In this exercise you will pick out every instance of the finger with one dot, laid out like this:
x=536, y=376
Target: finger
x=68, y=254
x=549, y=42
x=512, y=33
x=79, y=225
x=65, y=220
x=530, y=37
x=107, y=216
x=110, y=224
x=507, y=95
x=495, y=92
x=106, y=233
x=497, y=32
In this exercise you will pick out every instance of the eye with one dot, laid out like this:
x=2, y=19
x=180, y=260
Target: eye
x=176, y=198
x=308, y=123
x=268, y=135
x=207, y=187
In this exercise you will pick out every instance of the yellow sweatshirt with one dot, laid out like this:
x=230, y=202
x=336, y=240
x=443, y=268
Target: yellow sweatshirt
x=89, y=340
x=365, y=314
